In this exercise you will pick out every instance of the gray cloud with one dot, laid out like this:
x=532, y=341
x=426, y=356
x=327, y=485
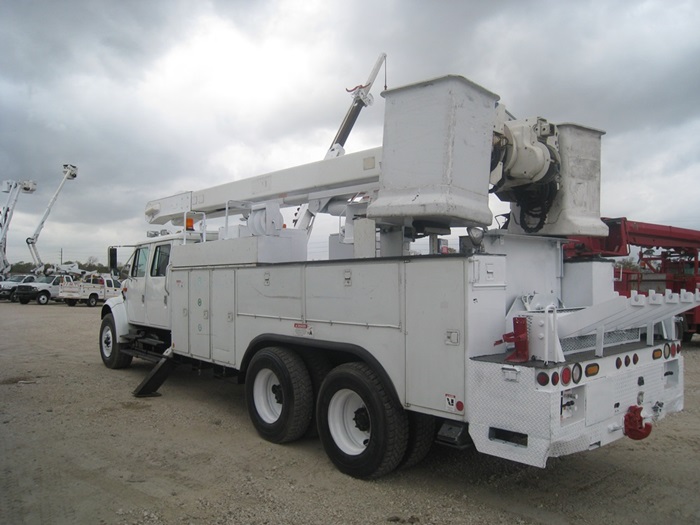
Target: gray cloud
x=95, y=83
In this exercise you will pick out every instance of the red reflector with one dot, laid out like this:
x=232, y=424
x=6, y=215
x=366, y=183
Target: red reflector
x=542, y=379
x=635, y=359
x=566, y=376
x=627, y=360
x=618, y=363
x=555, y=378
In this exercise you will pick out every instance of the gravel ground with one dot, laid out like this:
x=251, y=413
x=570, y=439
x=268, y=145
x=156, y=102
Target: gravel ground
x=76, y=447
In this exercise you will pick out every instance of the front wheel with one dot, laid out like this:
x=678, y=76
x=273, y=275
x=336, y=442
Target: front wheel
x=110, y=350
x=92, y=301
x=24, y=300
x=43, y=298
x=13, y=297
x=363, y=429
x=279, y=394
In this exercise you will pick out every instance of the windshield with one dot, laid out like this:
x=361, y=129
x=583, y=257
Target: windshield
x=47, y=279
x=16, y=278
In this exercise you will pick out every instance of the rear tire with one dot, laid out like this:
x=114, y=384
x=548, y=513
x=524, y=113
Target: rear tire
x=43, y=298
x=279, y=395
x=421, y=435
x=110, y=349
x=363, y=429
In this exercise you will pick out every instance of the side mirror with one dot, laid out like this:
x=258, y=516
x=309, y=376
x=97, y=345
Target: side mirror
x=112, y=258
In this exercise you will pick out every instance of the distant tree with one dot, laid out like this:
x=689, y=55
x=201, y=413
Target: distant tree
x=627, y=264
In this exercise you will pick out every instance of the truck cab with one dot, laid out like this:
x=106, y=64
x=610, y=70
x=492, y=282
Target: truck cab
x=42, y=290
x=9, y=286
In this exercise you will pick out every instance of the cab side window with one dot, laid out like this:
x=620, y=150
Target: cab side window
x=140, y=263
x=161, y=257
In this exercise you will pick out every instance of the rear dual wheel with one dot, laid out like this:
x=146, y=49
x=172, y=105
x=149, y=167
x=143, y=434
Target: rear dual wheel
x=363, y=429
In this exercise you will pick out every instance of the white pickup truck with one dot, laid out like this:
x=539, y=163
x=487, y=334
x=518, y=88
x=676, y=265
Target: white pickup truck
x=90, y=290
x=43, y=289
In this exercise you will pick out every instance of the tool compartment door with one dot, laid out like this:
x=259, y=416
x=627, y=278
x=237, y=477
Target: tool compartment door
x=435, y=339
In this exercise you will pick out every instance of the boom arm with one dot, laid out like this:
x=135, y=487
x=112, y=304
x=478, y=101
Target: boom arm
x=70, y=172
x=13, y=188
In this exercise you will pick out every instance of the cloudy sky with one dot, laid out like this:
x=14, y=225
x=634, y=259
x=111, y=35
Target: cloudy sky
x=150, y=98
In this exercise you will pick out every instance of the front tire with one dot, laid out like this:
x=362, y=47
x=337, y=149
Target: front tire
x=279, y=395
x=110, y=349
x=363, y=429
x=43, y=298
x=13, y=297
x=92, y=301
x=24, y=300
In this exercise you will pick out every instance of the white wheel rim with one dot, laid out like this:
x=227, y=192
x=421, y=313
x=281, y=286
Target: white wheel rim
x=266, y=403
x=107, y=341
x=342, y=410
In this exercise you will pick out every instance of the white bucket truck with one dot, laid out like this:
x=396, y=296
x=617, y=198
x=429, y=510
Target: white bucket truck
x=501, y=346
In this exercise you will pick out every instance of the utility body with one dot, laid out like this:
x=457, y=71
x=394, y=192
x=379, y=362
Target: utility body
x=90, y=290
x=503, y=345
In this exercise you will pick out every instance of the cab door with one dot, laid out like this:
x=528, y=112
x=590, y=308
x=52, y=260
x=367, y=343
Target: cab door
x=135, y=286
x=157, y=296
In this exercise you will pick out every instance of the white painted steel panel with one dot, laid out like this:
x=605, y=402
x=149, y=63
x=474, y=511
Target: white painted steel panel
x=486, y=304
x=180, y=303
x=587, y=283
x=199, y=308
x=288, y=246
x=223, y=316
x=435, y=338
x=365, y=294
x=270, y=291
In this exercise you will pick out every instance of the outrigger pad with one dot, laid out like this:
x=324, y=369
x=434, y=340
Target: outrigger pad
x=150, y=385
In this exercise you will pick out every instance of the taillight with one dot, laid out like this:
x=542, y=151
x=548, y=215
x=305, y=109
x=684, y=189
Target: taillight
x=566, y=376
x=555, y=378
x=667, y=350
x=673, y=349
x=543, y=379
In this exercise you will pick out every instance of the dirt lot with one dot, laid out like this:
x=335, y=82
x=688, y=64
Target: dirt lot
x=76, y=447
